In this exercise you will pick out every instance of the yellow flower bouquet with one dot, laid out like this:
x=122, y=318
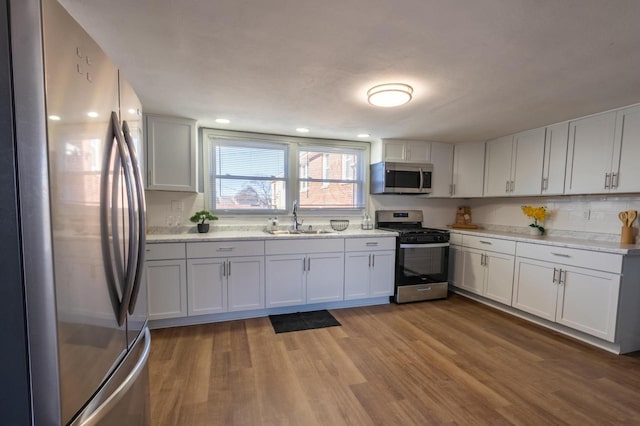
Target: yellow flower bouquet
x=538, y=214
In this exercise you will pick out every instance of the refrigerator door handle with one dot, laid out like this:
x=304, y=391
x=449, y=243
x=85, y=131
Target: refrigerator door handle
x=98, y=414
x=141, y=216
x=133, y=249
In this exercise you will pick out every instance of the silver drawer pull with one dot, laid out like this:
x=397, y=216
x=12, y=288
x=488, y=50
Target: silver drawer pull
x=560, y=254
x=424, y=289
x=486, y=242
x=372, y=244
x=225, y=249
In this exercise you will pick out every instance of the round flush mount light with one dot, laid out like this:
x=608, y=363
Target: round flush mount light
x=390, y=95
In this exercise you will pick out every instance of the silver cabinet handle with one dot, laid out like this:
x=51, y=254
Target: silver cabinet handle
x=607, y=180
x=454, y=189
x=563, y=277
x=304, y=263
x=555, y=273
x=225, y=248
x=614, y=180
x=450, y=189
x=369, y=260
x=370, y=244
x=482, y=259
x=506, y=188
x=424, y=289
x=309, y=263
x=224, y=269
x=373, y=260
x=560, y=254
x=486, y=242
x=229, y=269
x=512, y=185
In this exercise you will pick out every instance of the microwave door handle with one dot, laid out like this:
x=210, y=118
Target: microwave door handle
x=421, y=178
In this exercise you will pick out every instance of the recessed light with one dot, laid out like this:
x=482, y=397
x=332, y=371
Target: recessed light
x=302, y=130
x=390, y=95
x=132, y=111
x=54, y=117
x=92, y=114
x=222, y=121
x=364, y=135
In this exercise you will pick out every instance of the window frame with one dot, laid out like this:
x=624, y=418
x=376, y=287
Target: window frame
x=292, y=168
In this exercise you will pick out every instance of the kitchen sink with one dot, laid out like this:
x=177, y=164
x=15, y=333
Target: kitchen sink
x=299, y=232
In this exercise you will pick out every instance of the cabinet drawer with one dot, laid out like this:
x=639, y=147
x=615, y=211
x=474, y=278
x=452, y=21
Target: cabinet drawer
x=304, y=246
x=162, y=251
x=489, y=244
x=362, y=244
x=455, y=238
x=575, y=257
x=225, y=249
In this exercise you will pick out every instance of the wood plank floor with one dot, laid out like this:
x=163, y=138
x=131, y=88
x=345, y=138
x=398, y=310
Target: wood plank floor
x=444, y=362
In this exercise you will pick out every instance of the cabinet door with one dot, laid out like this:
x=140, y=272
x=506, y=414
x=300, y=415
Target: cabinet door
x=497, y=168
x=499, y=285
x=207, y=285
x=590, y=153
x=356, y=274
x=285, y=277
x=245, y=278
x=418, y=152
x=468, y=170
x=166, y=288
x=474, y=272
x=383, y=267
x=534, y=290
x=528, y=157
x=627, y=151
x=456, y=265
x=394, y=151
x=588, y=301
x=555, y=159
x=442, y=160
x=171, y=153
x=325, y=277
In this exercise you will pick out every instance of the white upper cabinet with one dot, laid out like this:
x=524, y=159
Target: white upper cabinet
x=396, y=150
x=555, y=159
x=442, y=160
x=468, y=170
x=497, y=168
x=591, y=145
x=171, y=153
x=513, y=164
x=626, y=155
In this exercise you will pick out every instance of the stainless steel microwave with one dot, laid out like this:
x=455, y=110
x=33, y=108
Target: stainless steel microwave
x=401, y=178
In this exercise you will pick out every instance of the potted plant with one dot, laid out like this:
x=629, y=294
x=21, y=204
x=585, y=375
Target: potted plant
x=200, y=218
x=538, y=214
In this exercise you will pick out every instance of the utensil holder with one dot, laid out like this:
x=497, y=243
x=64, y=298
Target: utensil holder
x=626, y=235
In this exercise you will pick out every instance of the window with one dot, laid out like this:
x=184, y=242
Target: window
x=327, y=185
x=247, y=175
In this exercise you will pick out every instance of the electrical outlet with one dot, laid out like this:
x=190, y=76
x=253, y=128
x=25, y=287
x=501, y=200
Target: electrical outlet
x=586, y=215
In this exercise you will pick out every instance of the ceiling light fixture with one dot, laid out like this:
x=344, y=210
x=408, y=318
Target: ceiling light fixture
x=364, y=135
x=390, y=95
x=302, y=130
x=92, y=114
x=54, y=117
x=222, y=121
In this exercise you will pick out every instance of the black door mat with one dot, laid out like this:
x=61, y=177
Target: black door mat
x=302, y=321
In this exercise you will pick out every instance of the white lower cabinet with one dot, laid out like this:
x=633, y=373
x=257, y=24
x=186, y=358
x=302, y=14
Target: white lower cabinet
x=487, y=272
x=315, y=276
x=369, y=267
x=233, y=282
x=580, y=298
x=166, y=275
x=225, y=284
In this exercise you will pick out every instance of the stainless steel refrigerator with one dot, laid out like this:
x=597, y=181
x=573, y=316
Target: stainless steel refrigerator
x=73, y=321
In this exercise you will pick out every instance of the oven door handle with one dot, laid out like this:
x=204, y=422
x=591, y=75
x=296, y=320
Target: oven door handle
x=425, y=245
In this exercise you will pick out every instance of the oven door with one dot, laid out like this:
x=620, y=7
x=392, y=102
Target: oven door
x=422, y=263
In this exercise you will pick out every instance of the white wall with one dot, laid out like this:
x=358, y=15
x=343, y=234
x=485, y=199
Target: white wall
x=437, y=212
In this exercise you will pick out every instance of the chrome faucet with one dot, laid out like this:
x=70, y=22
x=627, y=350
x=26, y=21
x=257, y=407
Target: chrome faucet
x=295, y=224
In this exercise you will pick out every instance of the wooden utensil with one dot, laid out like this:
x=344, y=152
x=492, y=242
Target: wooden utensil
x=631, y=216
x=623, y=218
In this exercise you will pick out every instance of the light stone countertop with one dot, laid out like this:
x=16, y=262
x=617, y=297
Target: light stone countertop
x=556, y=241
x=258, y=234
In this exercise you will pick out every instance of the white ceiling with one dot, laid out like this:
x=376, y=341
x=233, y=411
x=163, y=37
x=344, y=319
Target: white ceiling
x=480, y=69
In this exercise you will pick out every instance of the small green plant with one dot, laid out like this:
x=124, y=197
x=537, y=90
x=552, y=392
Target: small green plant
x=202, y=216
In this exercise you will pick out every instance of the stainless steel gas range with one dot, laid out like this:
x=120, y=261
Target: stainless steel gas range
x=422, y=256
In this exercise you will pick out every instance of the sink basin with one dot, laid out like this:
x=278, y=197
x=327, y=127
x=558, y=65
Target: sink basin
x=299, y=232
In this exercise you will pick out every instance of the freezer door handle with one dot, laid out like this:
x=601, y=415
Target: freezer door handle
x=141, y=216
x=94, y=417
